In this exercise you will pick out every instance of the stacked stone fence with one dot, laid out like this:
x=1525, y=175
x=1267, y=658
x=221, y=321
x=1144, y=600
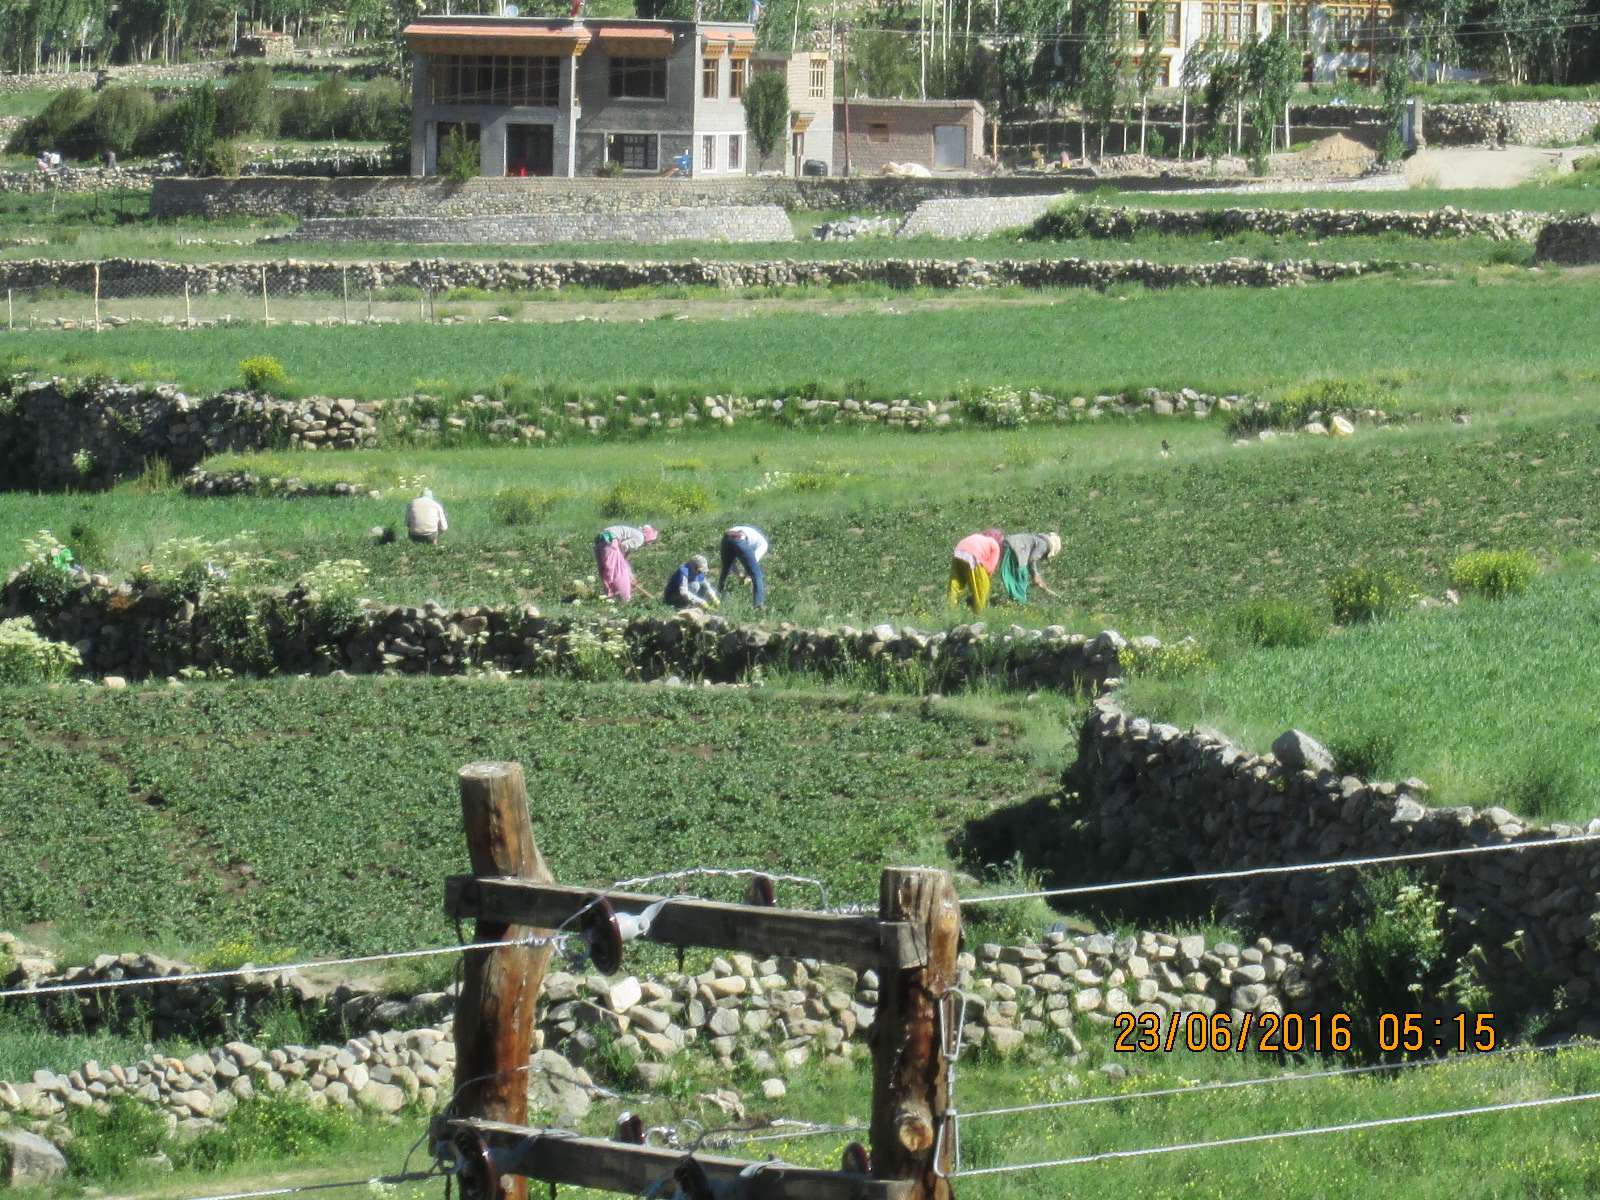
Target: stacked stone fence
x=722, y=223
x=1166, y=801
x=974, y=218
x=1570, y=242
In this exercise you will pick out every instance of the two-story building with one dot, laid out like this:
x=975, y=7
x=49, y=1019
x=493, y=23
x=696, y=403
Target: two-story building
x=578, y=97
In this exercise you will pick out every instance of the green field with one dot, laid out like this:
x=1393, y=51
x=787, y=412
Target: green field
x=1479, y=340
x=322, y=816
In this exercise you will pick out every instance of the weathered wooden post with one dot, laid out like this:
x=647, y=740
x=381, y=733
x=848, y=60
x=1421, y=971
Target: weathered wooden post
x=910, y=1077
x=497, y=1009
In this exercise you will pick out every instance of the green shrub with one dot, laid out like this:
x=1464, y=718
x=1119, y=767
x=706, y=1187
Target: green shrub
x=1388, y=954
x=1168, y=661
x=26, y=657
x=377, y=110
x=244, y=105
x=318, y=113
x=398, y=292
x=639, y=495
x=1366, y=753
x=460, y=158
x=525, y=504
x=57, y=124
x=1279, y=623
x=1494, y=573
x=194, y=128
x=1512, y=254
x=122, y=119
x=89, y=544
x=1364, y=594
x=224, y=159
x=263, y=373
x=1294, y=408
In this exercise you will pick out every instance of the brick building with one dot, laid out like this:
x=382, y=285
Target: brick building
x=942, y=135
x=570, y=97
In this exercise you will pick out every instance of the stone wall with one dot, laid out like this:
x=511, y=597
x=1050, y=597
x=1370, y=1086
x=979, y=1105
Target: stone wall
x=1168, y=801
x=385, y=196
x=971, y=218
x=725, y=223
x=1572, y=242
x=1510, y=124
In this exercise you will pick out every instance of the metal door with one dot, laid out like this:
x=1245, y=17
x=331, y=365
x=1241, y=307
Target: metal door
x=950, y=146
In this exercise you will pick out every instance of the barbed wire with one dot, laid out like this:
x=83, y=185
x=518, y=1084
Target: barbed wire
x=1245, y=1139
x=407, y=1177
x=725, y=872
x=1286, y=869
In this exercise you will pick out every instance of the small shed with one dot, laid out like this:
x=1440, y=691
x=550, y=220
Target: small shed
x=943, y=135
x=266, y=44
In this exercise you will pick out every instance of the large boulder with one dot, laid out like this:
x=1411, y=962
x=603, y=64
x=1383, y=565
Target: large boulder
x=1299, y=751
x=28, y=1160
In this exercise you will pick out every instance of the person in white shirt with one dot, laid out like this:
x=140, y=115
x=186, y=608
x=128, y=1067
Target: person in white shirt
x=744, y=546
x=425, y=519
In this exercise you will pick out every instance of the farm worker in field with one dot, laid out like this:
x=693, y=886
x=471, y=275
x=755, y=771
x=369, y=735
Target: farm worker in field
x=1020, y=556
x=744, y=546
x=975, y=560
x=611, y=551
x=689, y=587
x=425, y=519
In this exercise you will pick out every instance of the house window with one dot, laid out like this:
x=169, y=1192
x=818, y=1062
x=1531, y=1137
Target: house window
x=708, y=78
x=736, y=79
x=1141, y=16
x=735, y=152
x=639, y=78
x=877, y=131
x=635, y=151
x=494, y=79
x=819, y=79
x=708, y=152
x=1236, y=21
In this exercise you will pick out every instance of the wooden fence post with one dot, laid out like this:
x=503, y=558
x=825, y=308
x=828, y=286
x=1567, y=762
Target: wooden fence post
x=497, y=1009
x=910, y=1077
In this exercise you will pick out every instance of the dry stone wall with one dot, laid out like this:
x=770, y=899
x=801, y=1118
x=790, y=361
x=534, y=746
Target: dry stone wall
x=726, y=223
x=1574, y=242
x=1173, y=801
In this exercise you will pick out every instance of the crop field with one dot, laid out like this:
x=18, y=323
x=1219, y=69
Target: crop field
x=322, y=816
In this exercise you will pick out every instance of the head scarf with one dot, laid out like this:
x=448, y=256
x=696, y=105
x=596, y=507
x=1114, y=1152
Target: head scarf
x=1055, y=543
x=427, y=493
x=650, y=534
x=700, y=563
x=998, y=535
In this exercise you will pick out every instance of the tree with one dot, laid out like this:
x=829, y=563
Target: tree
x=460, y=157
x=1155, y=41
x=766, y=112
x=121, y=119
x=1396, y=94
x=1271, y=67
x=195, y=127
x=244, y=104
x=884, y=64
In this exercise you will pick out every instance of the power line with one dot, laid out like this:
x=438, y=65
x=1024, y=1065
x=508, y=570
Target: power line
x=1380, y=1123
x=1197, y=1089
x=1288, y=869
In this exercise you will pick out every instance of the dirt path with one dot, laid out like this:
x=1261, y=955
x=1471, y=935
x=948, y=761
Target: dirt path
x=1478, y=168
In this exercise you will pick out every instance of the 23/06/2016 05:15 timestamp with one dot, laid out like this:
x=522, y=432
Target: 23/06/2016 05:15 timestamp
x=1292, y=1033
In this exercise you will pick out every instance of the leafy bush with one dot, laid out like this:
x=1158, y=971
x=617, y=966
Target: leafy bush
x=1366, y=753
x=460, y=158
x=316, y=114
x=1365, y=594
x=1388, y=955
x=379, y=112
x=1279, y=623
x=640, y=495
x=1169, y=661
x=333, y=589
x=45, y=582
x=122, y=119
x=244, y=105
x=188, y=566
x=1494, y=573
x=26, y=657
x=89, y=544
x=225, y=158
x=194, y=128
x=1512, y=254
x=525, y=504
x=53, y=127
x=1062, y=222
x=263, y=373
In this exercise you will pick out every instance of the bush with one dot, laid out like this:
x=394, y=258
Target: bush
x=244, y=105
x=1364, y=594
x=55, y=126
x=26, y=657
x=525, y=504
x=379, y=112
x=1494, y=573
x=766, y=113
x=1388, y=955
x=1294, y=408
x=643, y=495
x=460, y=158
x=263, y=373
x=1063, y=222
x=194, y=128
x=316, y=114
x=89, y=544
x=1366, y=753
x=122, y=120
x=1279, y=623
x=224, y=158
x=1170, y=661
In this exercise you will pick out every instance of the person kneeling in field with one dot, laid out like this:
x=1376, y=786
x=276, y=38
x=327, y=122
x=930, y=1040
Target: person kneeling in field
x=1020, y=556
x=611, y=550
x=745, y=546
x=975, y=560
x=689, y=587
x=425, y=519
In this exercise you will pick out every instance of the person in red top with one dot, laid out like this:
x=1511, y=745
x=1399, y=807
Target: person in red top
x=975, y=560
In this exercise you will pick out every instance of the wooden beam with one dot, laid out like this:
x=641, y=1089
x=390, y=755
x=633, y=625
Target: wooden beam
x=856, y=941
x=556, y=1156
x=496, y=1014
x=910, y=1077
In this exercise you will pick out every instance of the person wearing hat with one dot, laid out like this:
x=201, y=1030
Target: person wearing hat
x=425, y=519
x=611, y=556
x=973, y=564
x=1020, y=556
x=689, y=587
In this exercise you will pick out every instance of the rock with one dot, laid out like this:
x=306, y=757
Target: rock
x=624, y=994
x=1298, y=751
x=382, y=1097
x=28, y=1160
x=1005, y=1040
x=774, y=1089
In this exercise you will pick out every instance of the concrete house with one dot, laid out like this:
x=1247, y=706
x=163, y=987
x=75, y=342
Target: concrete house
x=571, y=97
x=942, y=135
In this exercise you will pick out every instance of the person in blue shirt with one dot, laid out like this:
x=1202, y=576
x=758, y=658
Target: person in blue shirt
x=689, y=587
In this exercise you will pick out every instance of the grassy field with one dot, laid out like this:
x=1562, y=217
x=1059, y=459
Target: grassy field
x=318, y=816
x=1439, y=694
x=1533, y=197
x=1510, y=330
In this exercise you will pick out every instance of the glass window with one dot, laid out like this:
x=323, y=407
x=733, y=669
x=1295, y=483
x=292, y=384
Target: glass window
x=635, y=151
x=708, y=152
x=736, y=79
x=639, y=78
x=819, y=79
x=709, y=68
x=735, y=152
x=494, y=79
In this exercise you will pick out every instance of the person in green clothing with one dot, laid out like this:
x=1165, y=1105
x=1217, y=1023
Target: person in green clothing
x=1020, y=556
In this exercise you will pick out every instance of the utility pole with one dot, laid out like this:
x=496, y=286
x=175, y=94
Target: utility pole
x=844, y=67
